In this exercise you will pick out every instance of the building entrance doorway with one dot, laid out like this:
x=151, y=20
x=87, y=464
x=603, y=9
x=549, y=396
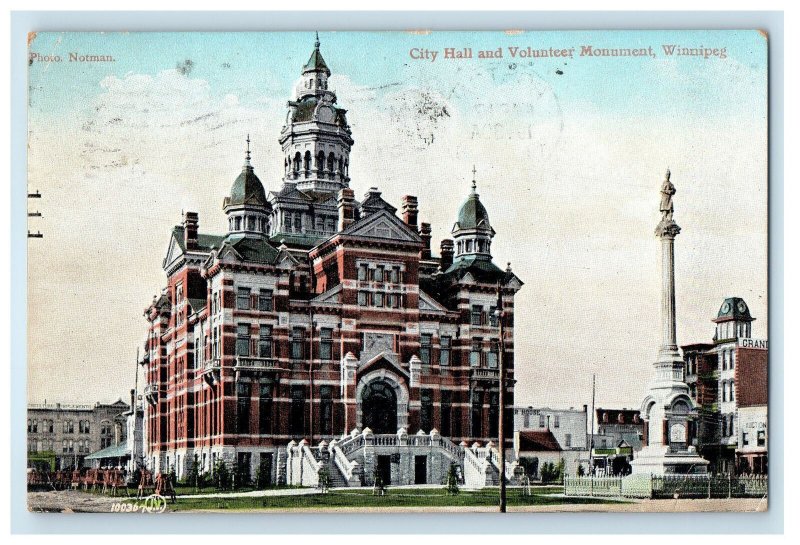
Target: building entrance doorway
x=379, y=407
x=420, y=470
x=384, y=464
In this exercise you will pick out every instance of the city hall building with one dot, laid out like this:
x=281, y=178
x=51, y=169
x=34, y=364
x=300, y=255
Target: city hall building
x=320, y=331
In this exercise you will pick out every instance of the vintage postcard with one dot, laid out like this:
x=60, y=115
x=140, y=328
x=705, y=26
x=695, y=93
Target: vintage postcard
x=389, y=271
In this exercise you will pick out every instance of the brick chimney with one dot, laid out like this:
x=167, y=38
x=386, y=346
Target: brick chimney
x=410, y=211
x=347, y=208
x=425, y=234
x=446, y=251
x=190, y=223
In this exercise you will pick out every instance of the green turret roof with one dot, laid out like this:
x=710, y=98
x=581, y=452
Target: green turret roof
x=733, y=308
x=316, y=63
x=473, y=214
x=247, y=189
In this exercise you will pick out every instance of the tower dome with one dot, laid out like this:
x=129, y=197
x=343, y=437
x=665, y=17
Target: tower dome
x=247, y=207
x=247, y=189
x=472, y=232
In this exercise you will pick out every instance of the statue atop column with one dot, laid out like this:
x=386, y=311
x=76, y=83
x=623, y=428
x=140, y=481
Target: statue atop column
x=667, y=226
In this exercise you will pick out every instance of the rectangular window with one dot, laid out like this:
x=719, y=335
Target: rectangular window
x=556, y=421
x=297, y=411
x=477, y=313
x=395, y=275
x=444, y=353
x=493, y=316
x=425, y=348
x=265, y=341
x=265, y=408
x=378, y=274
x=326, y=410
x=494, y=351
x=494, y=414
x=475, y=353
x=326, y=343
x=445, y=426
x=426, y=410
x=477, y=413
x=243, y=298
x=733, y=359
x=761, y=438
x=745, y=442
x=243, y=407
x=243, y=340
x=391, y=300
x=265, y=300
x=541, y=420
x=377, y=299
x=363, y=272
x=298, y=335
x=362, y=298
x=287, y=223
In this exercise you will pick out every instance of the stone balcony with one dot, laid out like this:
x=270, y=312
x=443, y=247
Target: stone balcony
x=480, y=373
x=151, y=392
x=252, y=364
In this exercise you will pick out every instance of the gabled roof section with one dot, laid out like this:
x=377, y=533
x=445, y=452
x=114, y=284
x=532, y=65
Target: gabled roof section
x=383, y=225
x=204, y=241
x=482, y=270
x=373, y=202
x=290, y=191
x=429, y=304
x=538, y=441
x=333, y=295
x=252, y=249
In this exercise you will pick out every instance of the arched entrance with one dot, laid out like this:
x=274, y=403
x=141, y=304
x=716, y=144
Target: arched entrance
x=379, y=407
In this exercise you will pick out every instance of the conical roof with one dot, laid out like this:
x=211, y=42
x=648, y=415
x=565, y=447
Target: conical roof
x=316, y=63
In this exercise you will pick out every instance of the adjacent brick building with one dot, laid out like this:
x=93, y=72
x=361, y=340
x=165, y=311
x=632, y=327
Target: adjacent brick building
x=728, y=381
x=317, y=315
x=64, y=434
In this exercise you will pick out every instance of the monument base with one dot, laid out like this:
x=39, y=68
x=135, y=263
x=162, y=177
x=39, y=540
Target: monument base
x=661, y=460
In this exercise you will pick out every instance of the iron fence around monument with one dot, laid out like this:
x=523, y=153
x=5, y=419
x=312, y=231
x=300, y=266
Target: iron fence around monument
x=669, y=486
x=709, y=486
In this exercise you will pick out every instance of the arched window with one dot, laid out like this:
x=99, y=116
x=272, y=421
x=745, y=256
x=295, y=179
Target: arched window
x=731, y=396
x=341, y=166
x=321, y=161
x=297, y=160
x=331, y=159
x=307, y=161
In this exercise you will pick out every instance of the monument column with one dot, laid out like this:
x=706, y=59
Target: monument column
x=667, y=407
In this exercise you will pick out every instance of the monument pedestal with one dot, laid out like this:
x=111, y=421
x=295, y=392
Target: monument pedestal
x=662, y=460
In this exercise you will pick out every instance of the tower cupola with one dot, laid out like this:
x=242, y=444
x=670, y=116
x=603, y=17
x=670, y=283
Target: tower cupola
x=472, y=233
x=733, y=320
x=247, y=207
x=316, y=139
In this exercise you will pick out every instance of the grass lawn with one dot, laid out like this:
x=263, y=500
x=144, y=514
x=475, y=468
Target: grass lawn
x=362, y=497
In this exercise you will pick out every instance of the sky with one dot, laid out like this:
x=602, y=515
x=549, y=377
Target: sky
x=569, y=154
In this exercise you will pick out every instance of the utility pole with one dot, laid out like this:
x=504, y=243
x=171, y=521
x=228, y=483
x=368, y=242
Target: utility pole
x=501, y=436
x=591, y=442
x=311, y=376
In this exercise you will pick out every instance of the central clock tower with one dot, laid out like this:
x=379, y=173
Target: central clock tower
x=316, y=138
